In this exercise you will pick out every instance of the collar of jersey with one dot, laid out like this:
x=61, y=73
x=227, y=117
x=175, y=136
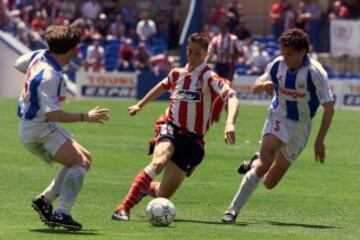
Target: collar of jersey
x=199, y=68
x=52, y=61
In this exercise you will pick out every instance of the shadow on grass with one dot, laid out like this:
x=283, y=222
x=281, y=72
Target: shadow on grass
x=315, y=226
x=209, y=222
x=85, y=232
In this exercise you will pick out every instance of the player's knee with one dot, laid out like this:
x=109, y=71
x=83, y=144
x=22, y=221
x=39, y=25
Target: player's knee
x=261, y=168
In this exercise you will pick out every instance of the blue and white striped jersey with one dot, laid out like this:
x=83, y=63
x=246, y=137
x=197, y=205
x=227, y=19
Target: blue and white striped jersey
x=44, y=86
x=298, y=93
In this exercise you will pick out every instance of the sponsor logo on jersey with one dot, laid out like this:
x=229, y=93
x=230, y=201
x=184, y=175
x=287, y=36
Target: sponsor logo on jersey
x=293, y=94
x=184, y=95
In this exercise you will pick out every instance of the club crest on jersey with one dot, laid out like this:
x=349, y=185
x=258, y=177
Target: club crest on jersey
x=301, y=85
x=280, y=78
x=199, y=84
x=185, y=95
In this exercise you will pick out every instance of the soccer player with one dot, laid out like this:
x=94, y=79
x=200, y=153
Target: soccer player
x=226, y=49
x=197, y=97
x=39, y=111
x=300, y=85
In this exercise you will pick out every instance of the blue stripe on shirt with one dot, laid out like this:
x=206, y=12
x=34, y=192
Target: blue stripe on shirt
x=34, y=102
x=290, y=79
x=292, y=111
x=273, y=73
x=314, y=100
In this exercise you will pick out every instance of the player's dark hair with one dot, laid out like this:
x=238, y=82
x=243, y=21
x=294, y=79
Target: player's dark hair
x=201, y=39
x=60, y=39
x=296, y=39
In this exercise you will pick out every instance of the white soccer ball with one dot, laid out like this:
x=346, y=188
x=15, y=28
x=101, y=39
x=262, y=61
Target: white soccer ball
x=160, y=212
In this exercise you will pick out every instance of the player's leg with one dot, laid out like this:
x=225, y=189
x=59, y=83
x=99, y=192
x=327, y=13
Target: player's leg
x=171, y=180
x=277, y=170
x=250, y=181
x=163, y=151
x=78, y=160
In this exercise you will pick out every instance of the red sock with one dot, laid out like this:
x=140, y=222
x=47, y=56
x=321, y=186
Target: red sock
x=153, y=189
x=137, y=191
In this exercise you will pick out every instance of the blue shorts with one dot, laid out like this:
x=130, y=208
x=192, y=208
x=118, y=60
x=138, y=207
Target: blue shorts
x=188, y=147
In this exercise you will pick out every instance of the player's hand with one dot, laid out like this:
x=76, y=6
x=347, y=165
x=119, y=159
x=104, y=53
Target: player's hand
x=319, y=151
x=134, y=109
x=229, y=134
x=98, y=115
x=268, y=87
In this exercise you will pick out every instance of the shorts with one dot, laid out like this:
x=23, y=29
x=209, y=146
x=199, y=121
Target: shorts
x=188, y=147
x=293, y=135
x=46, y=147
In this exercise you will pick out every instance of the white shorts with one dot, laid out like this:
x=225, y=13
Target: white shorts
x=47, y=146
x=293, y=135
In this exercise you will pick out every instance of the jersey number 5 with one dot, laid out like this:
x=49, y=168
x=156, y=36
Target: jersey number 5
x=277, y=125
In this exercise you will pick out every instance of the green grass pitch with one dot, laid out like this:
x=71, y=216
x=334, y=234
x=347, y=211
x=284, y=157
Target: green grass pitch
x=313, y=201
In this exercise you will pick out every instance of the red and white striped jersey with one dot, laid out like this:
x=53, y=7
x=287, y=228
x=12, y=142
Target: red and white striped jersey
x=225, y=47
x=197, y=97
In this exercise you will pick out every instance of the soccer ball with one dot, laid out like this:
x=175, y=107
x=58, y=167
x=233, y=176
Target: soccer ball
x=160, y=212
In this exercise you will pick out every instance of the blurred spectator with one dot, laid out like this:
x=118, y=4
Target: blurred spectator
x=249, y=50
x=207, y=31
x=109, y=8
x=313, y=24
x=226, y=50
x=146, y=28
x=259, y=59
x=86, y=26
x=117, y=28
x=39, y=23
x=68, y=7
x=338, y=10
x=91, y=9
x=289, y=17
x=95, y=57
x=241, y=31
x=301, y=16
x=162, y=25
x=60, y=19
x=126, y=56
x=102, y=25
x=174, y=29
x=277, y=17
x=217, y=13
x=4, y=24
x=234, y=13
x=142, y=57
x=161, y=63
x=129, y=17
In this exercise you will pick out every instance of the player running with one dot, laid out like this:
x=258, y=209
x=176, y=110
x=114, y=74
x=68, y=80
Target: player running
x=300, y=85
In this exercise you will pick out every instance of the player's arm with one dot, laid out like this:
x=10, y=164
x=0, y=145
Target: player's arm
x=233, y=108
x=263, y=84
x=22, y=63
x=95, y=115
x=326, y=99
x=324, y=127
x=50, y=105
x=154, y=93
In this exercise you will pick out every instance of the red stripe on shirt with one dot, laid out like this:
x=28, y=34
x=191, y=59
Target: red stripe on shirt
x=175, y=78
x=183, y=109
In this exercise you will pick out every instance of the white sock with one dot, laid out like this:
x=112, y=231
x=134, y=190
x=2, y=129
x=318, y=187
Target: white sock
x=150, y=171
x=54, y=189
x=70, y=189
x=248, y=184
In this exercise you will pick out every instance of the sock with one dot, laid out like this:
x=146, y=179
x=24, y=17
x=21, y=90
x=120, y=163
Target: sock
x=153, y=189
x=248, y=184
x=54, y=189
x=138, y=189
x=70, y=189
